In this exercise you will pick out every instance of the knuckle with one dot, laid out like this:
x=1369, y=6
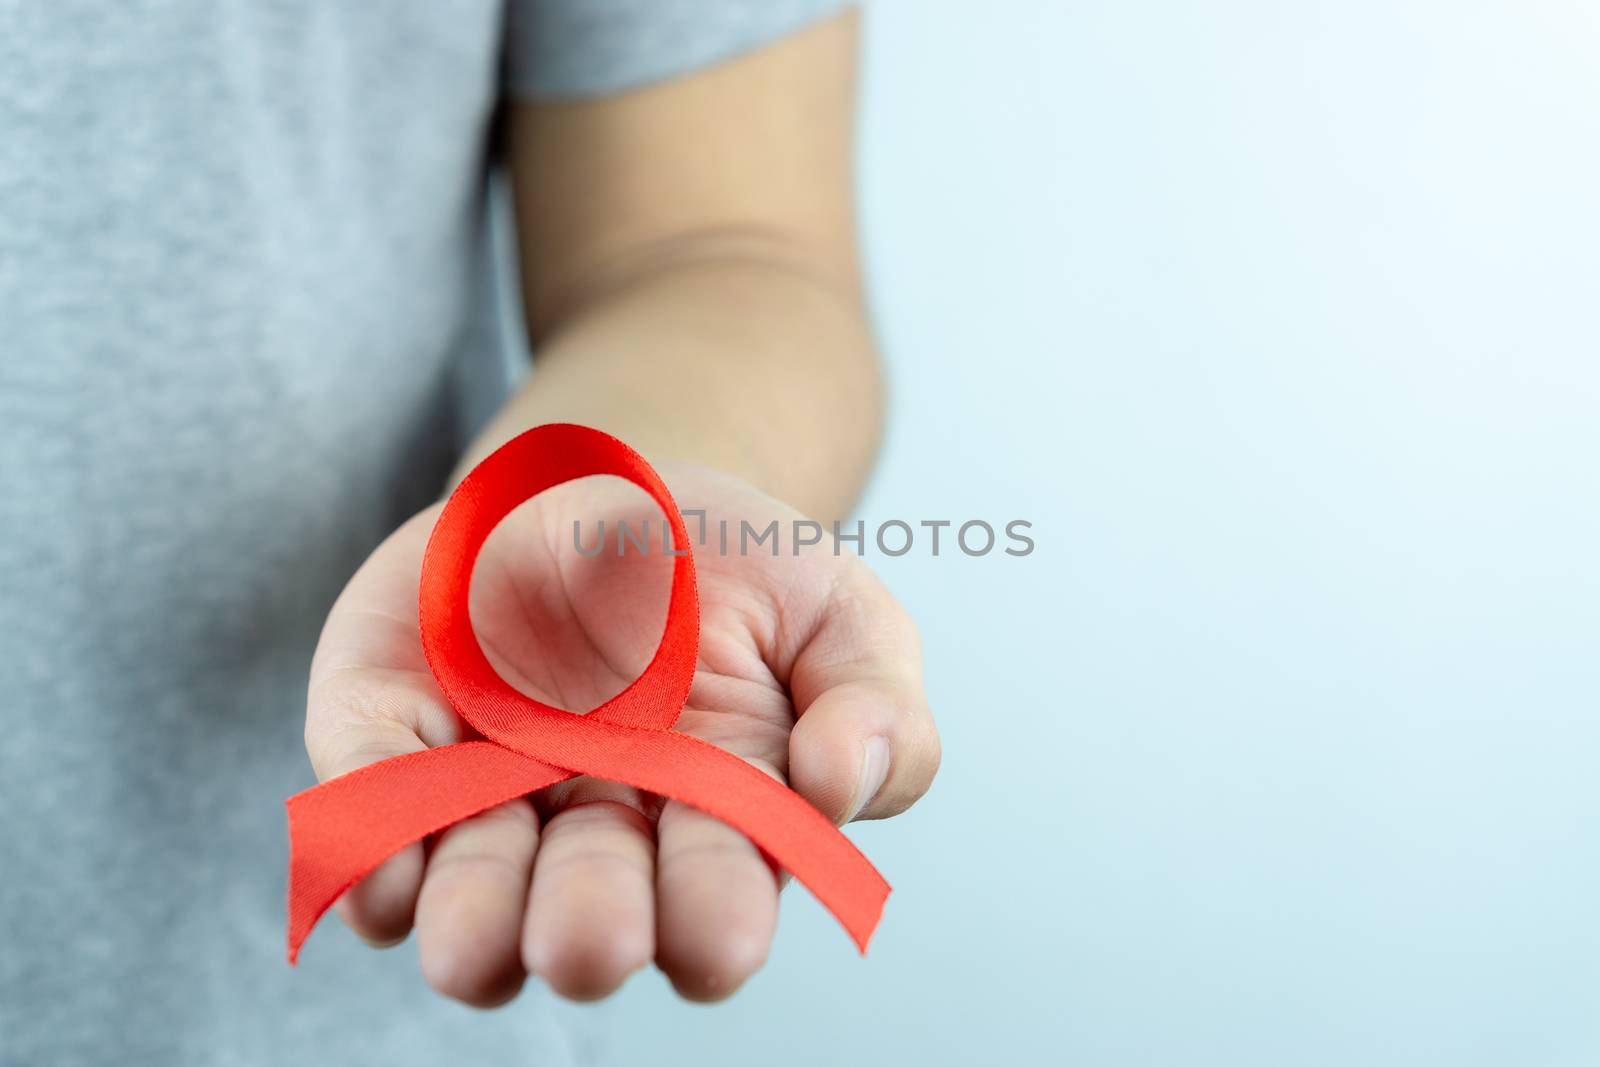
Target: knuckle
x=476, y=866
x=356, y=744
x=515, y=816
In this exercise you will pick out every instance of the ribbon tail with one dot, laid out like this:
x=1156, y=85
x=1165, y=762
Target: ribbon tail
x=793, y=833
x=341, y=830
x=781, y=822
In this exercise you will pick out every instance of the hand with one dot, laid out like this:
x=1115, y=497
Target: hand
x=808, y=669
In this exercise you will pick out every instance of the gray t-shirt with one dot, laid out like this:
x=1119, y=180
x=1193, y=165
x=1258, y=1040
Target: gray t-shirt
x=240, y=249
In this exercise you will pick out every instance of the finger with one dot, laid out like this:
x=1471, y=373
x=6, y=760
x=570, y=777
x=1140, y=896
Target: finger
x=717, y=901
x=865, y=746
x=473, y=898
x=378, y=908
x=371, y=698
x=591, y=911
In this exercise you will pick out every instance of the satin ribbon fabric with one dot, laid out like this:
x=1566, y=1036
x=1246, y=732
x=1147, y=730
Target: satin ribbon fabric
x=341, y=830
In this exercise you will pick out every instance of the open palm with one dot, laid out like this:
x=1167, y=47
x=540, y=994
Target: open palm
x=808, y=668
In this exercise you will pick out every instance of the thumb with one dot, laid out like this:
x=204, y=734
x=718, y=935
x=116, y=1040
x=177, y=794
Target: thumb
x=865, y=746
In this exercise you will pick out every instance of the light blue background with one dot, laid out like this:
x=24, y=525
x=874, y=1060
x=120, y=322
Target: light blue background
x=1282, y=324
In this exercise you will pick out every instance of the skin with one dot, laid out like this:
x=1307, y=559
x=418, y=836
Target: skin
x=690, y=281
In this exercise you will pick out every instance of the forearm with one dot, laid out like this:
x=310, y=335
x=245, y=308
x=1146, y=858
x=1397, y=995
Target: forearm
x=741, y=360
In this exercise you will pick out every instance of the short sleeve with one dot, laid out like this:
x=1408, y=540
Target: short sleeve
x=562, y=49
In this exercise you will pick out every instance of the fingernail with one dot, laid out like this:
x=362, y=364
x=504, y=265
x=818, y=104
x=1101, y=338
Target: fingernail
x=874, y=771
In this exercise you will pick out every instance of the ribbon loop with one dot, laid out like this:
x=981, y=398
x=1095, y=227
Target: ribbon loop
x=341, y=830
x=537, y=460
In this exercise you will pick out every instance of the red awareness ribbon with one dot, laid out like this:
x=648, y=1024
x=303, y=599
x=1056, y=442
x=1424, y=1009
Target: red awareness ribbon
x=341, y=830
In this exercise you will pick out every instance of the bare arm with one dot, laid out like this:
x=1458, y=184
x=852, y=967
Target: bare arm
x=690, y=276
